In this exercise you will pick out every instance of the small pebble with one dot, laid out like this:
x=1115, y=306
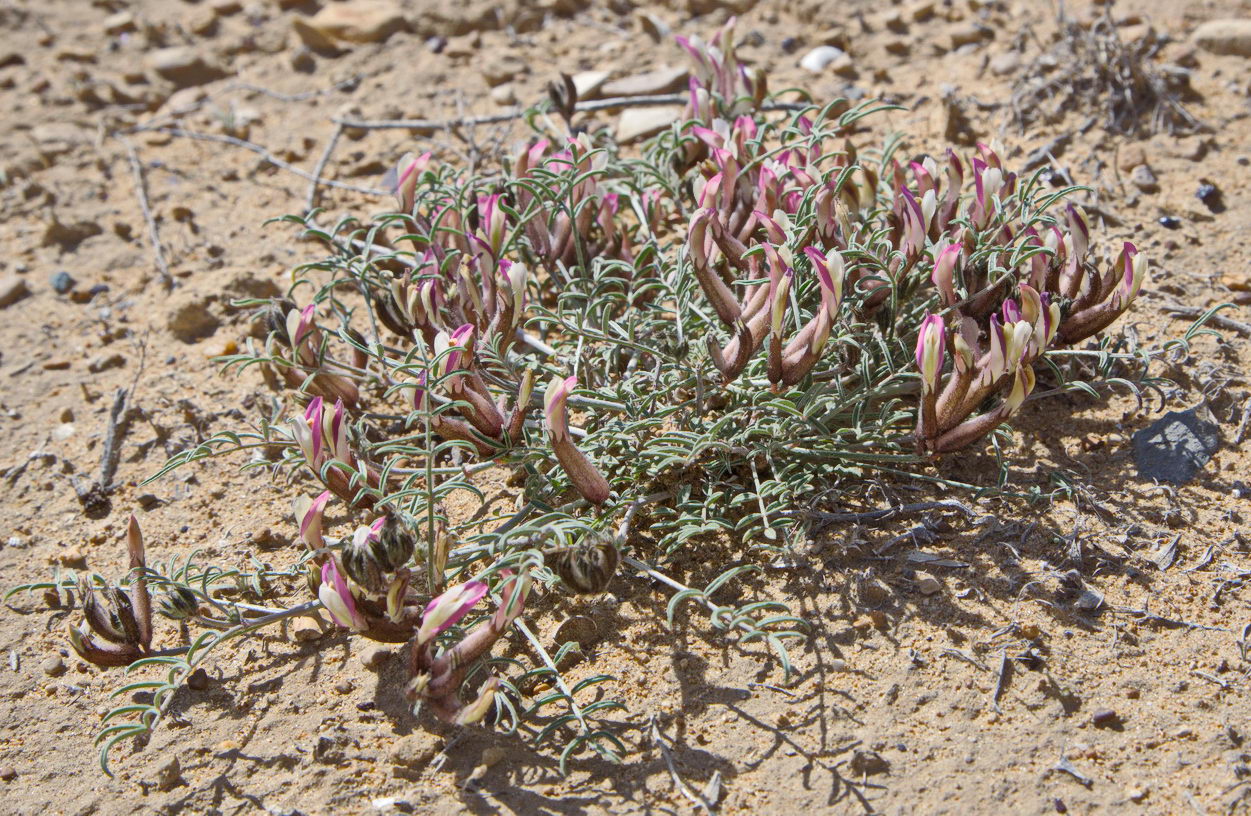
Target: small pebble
x=1144, y=179
x=789, y=45
x=305, y=631
x=1105, y=718
x=1210, y=195
x=169, y=776
x=1170, y=222
x=54, y=666
x=8, y=773
x=198, y=680
x=375, y=657
x=62, y=282
x=343, y=686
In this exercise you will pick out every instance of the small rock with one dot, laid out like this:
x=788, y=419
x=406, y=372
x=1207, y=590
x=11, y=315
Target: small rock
x=344, y=686
x=225, y=8
x=1191, y=148
x=639, y=123
x=1175, y=447
x=789, y=45
x=921, y=11
x=662, y=80
x=8, y=773
x=504, y=95
x=578, y=629
x=69, y=236
x=72, y=557
x=192, y=321
x=119, y=23
x=927, y=584
x=588, y=84
x=1170, y=222
x=504, y=68
x=329, y=750
x=198, y=680
x=968, y=34
x=305, y=631
x=1130, y=157
x=868, y=763
x=67, y=414
x=376, y=657
x=360, y=21
x=313, y=37
x=61, y=282
x=1006, y=63
x=106, y=362
x=1142, y=178
x=183, y=66
x=169, y=775
x=302, y=60
x=491, y=755
x=414, y=750
x=63, y=431
x=203, y=22
x=54, y=666
x=1105, y=718
x=1232, y=37
x=819, y=58
x=12, y=289
x=1211, y=197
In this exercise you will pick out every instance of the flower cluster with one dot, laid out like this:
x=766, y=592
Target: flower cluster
x=119, y=625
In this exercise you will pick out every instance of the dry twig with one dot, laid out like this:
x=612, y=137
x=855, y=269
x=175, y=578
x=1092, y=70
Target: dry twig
x=141, y=192
x=311, y=201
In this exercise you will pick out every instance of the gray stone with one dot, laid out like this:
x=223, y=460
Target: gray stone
x=1006, y=63
x=1232, y=37
x=1175, y=447
x=62, y=282
x=1144, y=179
x=54, y=666
x=169, y=775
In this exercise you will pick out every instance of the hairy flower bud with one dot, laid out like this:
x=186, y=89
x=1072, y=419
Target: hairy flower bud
x=178, y=603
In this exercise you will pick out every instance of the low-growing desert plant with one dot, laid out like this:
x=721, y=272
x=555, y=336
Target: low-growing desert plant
x=710, y=339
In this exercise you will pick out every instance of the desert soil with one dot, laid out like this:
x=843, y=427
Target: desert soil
x=1126, y=682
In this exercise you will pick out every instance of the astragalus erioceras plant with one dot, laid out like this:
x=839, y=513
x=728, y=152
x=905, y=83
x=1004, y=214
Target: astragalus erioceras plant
x=750, y=312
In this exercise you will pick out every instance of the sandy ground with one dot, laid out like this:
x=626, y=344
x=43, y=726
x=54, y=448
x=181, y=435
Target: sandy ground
x=901, y=703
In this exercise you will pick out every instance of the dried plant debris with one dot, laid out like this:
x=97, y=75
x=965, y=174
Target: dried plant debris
x=1090, y=68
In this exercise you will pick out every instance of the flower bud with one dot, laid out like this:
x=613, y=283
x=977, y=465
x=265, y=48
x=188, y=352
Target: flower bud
x=931, y=344
x=179, y=603
x=447, y=609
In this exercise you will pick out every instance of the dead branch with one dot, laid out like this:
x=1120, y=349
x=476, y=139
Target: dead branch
x=262, y=152
x=1216, y=320
x=508, y=116
x=141, y=192
x=311, y=201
